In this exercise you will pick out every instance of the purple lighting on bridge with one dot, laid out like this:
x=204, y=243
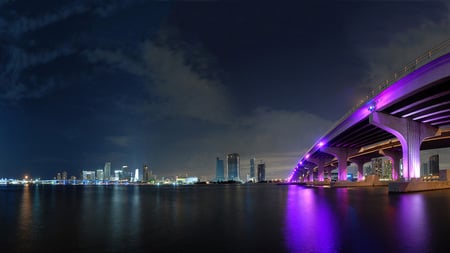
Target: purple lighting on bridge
x=306, y=156
x=321, y=144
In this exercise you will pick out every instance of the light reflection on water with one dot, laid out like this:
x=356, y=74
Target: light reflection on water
x=25, y=216
x=225, y=218
x=413, y=224
x=363, y=220
x=309, y=222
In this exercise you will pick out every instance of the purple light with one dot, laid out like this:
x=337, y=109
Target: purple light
x=321, y=144
x=307, y=156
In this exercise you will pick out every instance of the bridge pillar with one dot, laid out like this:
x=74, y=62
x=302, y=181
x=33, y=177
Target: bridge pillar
x=342, y=155
x=320, y=162
x=302, y=175
x=395, y=157
x=310, y=173
x=328, y=170
x=360, y=164
x=410, y=134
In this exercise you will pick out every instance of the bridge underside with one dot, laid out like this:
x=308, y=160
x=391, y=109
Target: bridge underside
x=418, y=119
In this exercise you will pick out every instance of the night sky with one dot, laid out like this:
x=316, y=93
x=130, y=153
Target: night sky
x=175, y=84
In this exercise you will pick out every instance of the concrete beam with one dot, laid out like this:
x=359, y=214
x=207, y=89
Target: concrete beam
x=410, y=134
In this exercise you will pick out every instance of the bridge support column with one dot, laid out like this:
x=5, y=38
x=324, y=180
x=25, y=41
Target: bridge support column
x=310, y=175
x=410, y=134
x=342, y=155
x=320, y=167
x=328, y=170
x=395, y=157
x=360, y=164
x=300, y=174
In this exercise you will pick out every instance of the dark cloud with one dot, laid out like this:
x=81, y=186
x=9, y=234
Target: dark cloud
x=184, y=92
x=176, y=84
x=21, y=55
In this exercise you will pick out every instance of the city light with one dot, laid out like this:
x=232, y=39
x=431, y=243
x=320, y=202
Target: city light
x=372, y=107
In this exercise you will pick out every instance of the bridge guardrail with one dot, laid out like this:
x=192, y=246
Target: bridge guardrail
x=433, y=53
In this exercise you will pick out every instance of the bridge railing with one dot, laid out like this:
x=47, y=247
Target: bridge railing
x=433, y=53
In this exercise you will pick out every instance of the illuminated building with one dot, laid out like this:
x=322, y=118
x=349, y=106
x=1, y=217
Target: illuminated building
x=424, y=169
x=252, y=168
x=233, y=167
x=107, y=171
x=127, y=174
x=146, y=173
x=88, y=175
x=100, y=175
x=136, y=175
x=433, y=165
x=118, y=175
x=261, y=172
x=220, y=170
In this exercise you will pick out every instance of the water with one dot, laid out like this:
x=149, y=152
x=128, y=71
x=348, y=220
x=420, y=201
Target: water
x=221, y=218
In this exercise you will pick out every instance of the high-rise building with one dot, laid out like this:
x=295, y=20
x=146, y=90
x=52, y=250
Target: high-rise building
x=118, y=175
x=424, y=168
x=220, y=170
x=107, y=171
x=252, y=168
x=145, y=173
x=127, y=173
x=100, y=175
x=136, y=175
x=433, y=165
x=88, y=175
x=233, y=167
x=64, y=175
x=261, y=172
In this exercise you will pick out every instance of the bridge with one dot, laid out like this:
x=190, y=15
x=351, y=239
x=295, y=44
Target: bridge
x=405, y=114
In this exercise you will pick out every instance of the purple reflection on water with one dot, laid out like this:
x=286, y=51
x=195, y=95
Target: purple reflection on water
x=309, y=222
x=412, y=223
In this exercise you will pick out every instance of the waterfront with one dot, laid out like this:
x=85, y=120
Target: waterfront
x=221, y=218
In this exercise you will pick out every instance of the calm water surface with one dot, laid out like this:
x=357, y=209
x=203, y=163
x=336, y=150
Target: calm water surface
x=221, y=218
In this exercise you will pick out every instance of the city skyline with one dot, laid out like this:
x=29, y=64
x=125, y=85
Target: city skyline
x=177, y=84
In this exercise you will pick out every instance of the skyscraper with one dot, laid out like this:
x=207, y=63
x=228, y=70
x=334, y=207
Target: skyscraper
x=136, y=175
x=252, y=168
x=107, y=171
x=100, y=175
x=220, y=170
x=233, y=167
x=433, y=165
x=127, y=173
x=261, y=172
x=88, y=175
x=145, y=173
